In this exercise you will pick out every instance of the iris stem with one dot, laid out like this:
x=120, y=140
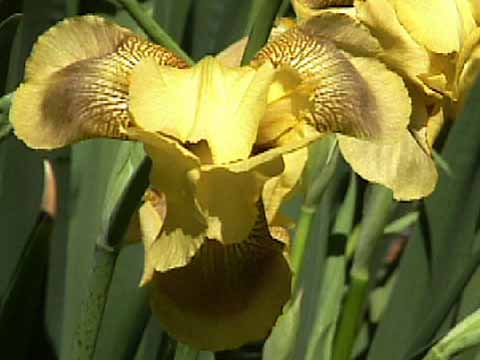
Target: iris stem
x=312, y=199
x=106, y=253
x=93, y=306
x=374, y=221
x=153, y=29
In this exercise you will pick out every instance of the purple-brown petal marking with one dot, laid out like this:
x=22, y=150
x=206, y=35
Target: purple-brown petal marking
x=340, y=100
x=86, y=95
x=320, y=4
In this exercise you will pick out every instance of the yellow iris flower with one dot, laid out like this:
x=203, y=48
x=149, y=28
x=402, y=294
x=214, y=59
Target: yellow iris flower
x=228, y=145
x=433, y=44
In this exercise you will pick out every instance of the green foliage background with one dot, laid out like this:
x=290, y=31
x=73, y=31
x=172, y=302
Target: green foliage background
x=349, y=294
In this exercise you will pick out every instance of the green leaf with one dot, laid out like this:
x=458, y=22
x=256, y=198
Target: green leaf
x=379, y=299
x=261, y=27
x=291, y=336
x=346, y=214
x=329, y=304
x=399, y=225
x=127, y=312
x=172, y=15
x=21, y=180
x=215, y=24
x=8, y=29
x=463, y=336
x=280, y=345
x=155, y=343
x=185, y=352
x=92, y=165
x=21, y=305
x=122, y=196
x=440, y=252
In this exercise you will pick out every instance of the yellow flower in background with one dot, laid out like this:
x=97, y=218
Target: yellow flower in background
x=433, y=44
x=228, y=146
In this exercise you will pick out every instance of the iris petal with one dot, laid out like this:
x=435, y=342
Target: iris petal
x=77, y=81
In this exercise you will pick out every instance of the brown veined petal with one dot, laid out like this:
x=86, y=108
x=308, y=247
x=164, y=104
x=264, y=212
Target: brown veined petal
x=402, y=166
x=227, y=295
x=390, y=96
x=339, y=99
x=398, y=162
x=86, y=94
x=320, y=4
x=347, y=32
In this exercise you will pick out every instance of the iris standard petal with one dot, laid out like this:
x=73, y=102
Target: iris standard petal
x=224, y=105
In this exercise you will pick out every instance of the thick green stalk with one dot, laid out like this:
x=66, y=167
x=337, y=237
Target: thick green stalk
x=371, y=232
x=312, y=199
x=350, y=317
x=106, y=253
x=153, y=29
